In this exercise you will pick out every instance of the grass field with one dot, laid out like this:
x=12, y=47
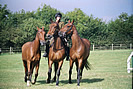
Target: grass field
x=109, y=72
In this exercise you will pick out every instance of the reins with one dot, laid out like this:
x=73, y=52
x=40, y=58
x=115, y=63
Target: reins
x=54, y=42
x=69, y=35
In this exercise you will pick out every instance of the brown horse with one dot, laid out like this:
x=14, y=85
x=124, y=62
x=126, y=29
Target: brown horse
x=56, y=52
x=79, y=51
x=31, y=55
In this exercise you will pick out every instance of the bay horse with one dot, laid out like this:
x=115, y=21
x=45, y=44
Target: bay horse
x=56, y=52
x=79, y=52
x=31, y=55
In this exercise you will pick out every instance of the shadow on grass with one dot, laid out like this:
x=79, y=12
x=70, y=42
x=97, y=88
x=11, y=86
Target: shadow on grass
x=84, y=80
x=94, y=80
x=42, y=82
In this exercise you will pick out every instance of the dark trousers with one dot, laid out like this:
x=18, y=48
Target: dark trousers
x=67, y=49
x=47, y=48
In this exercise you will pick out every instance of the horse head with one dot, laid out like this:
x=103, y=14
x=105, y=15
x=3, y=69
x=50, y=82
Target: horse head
x=41, y=35
x=53, y=30
x=66, y=30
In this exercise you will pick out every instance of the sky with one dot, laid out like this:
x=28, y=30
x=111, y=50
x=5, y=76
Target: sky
x=103, y=9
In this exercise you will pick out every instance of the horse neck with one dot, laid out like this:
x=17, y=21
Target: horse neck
x=76, y=40
x=58, y=43
x=36, y=44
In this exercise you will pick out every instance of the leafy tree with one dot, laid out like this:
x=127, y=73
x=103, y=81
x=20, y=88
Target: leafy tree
x=27, y=31
x=20, y=27
x=121, y=30
x=89, y=27
x=4, y=12
x=45, y=14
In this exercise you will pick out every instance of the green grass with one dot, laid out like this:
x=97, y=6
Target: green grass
x=109, y=71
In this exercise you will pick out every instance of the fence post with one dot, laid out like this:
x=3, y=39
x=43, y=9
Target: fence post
x=112, y=46
x=130, y=46
x=93, y=47
x=132, y=61
x=0, y=51
x=11, y=50
x=120, y=46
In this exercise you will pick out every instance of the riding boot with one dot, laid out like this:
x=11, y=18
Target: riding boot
x=67, y=53
x=46, y=51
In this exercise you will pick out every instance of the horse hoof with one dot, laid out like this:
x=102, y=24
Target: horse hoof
x=70, y=82
x=48, y=81
x=53, y=80
x=78, y=85
x=57, y=84
x=28, y=83
x=33, y=82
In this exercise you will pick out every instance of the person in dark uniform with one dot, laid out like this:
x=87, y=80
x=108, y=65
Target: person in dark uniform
x=61, y=25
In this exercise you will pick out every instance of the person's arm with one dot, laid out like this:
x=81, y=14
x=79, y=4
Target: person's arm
x=61, y=25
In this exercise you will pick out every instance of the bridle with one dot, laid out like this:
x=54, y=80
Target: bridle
x=54, y=36
x=69, y=35
x=69, y=29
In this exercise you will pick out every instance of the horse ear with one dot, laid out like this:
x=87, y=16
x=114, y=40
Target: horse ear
x=69, y=21
x=42, y=28
x=73, y=21
x=51, y=20
x=37, y=28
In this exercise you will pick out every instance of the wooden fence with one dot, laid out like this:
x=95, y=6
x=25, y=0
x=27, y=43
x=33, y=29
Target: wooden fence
x=94, y=47
x=12, y=50
x=111, y=47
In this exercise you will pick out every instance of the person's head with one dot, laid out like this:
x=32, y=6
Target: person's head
x=58, y=17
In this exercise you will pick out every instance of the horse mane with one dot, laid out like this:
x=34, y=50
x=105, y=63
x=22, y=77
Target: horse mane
x=75, y=30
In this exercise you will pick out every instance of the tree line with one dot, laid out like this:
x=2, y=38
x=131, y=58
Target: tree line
x=16, y=28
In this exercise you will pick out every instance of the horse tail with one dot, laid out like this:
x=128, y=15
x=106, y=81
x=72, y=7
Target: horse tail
x=87, y=65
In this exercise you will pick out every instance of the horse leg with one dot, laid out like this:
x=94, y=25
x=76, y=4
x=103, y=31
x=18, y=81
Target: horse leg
x=58, y=71
x=76, y=62
x=70, y=70
x=36, y=74
x=29, y=73
x=55, y=69
x=49, y=71
x=31, y=69
x=82, y=67
x=26, y=70
x=78, y=73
